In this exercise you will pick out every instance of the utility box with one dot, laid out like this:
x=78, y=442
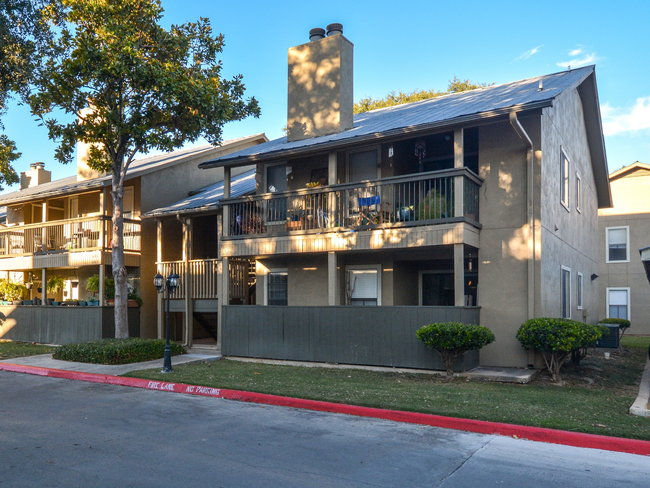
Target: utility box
x=612, y=341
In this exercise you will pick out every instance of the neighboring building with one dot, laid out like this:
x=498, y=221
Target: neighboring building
x=63, y=228
x=479, y=206
x=624, y=231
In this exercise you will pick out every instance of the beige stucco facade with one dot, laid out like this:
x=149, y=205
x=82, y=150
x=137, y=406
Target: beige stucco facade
x=631, y=212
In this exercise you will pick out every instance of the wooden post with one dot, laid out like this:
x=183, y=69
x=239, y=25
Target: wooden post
x=44, y=229
x=332, y=279
x=159, y=297
x=224, y=297
x=459, y=275
x=102, y=285
x=459, y=181
x=226, y=195
x=189, y=298
x=44, y=285
x=332, y=179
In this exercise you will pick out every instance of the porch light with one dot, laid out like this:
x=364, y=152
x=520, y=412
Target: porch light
x=173, y=281
x=158, y=282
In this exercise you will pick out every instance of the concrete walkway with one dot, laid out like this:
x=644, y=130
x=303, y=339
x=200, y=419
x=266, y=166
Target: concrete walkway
x=641, y=406
x=46, y=361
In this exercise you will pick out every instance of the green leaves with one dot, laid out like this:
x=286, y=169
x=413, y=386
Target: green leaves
x=116, y=351
x=455, y=335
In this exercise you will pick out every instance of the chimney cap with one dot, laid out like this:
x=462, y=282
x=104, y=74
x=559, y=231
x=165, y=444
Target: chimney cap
x=316, y=34
x=37, y=165
x=334, y=29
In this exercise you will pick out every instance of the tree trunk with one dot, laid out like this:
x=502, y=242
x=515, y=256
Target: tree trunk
x=119, y=270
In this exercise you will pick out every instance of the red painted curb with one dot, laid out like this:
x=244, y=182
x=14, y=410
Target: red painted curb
x=592, y=441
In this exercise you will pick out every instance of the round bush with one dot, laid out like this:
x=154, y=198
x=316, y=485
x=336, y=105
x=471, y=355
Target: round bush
x=116, y=351
x=453, y=339
x=623, y=324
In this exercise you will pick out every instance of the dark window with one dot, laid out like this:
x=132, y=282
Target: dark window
x=276, y=178
x=470, y=148
x=438, y=289
x=566, y=293
x=278, y=290
x=363, y=165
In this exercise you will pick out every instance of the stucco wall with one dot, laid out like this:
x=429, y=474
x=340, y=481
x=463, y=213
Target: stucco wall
x=503, y=268
x=631, y=196
x=569, y=237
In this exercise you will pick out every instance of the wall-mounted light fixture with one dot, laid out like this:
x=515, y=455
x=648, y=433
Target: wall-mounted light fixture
x=594, y=276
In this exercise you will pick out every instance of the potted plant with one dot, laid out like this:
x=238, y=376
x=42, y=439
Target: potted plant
x=109, y=290
x=133, y=300
x=15, y=293
x=54, y=284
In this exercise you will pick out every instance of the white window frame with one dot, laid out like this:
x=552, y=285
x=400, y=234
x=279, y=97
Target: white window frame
x=565, y=199
x=569, y=305
x=360, y=267
x=629, y=299
x=266, y=283
x=580, y=290
x=627, y=242
x=578, y=193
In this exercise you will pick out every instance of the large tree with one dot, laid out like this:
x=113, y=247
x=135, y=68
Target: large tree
x=455, y=86
x=23, y=33
x=132, y=86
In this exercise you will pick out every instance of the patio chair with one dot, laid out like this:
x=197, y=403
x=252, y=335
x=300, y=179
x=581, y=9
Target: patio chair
x=379, y=214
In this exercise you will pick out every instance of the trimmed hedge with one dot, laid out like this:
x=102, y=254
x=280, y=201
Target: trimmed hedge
x=116, y=351
x=557, y=339
x=453, y=339
x=623, y=324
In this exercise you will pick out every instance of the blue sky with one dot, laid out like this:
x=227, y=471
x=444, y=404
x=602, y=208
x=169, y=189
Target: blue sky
x=410, y=45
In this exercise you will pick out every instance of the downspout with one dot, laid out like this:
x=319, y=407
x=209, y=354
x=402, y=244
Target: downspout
x=516, y=125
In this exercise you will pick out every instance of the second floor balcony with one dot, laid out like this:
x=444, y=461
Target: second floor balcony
x=63, y=236
x=436, y=197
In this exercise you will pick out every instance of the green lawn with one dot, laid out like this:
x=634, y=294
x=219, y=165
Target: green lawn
x=9, y=349
x=595, y=397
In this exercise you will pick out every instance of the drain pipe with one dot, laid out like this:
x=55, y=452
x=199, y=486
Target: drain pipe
x=530, y=155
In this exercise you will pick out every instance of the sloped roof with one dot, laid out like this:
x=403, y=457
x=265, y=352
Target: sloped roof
x=208, y=198
x=444, y=110
x=629, y=169
x=139, y=167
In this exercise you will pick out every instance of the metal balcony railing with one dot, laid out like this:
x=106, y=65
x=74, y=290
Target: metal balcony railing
x=419, y=199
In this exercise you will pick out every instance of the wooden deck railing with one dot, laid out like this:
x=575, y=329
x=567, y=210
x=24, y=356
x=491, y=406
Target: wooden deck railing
x=418, y=199
x=204, y=277
x=81, y=234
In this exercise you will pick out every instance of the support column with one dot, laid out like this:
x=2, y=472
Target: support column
x=459, y=275
x=44, y=285
x=224, y=296
x=332, y=280
x=44, y=236
x=189, y=298
x=332, y=179
x=159, y=296
x=459, y=181
x=102, y=285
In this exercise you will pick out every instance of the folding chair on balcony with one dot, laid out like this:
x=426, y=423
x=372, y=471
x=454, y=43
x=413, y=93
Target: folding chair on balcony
x=379, y=214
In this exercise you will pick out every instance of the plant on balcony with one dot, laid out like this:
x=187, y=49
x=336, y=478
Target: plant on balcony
x=92, y=285
x=109, y=288
x=134, y=297
x=54, y=283
x=454, y=339
x=434, y=206
x=3, y=288
x=15, y=291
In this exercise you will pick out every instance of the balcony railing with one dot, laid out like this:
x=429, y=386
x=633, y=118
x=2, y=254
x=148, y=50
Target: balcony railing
x=421, y=199
x=203, y=273
x=89, y=233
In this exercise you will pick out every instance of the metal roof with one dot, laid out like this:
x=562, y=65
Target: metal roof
x=444, y=110
x=139, y=167
x=208, y=197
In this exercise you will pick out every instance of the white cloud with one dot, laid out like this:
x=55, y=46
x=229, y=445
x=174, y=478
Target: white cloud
x=576, y=52
x=578, y=62
x=528, y=53
x=634, y=119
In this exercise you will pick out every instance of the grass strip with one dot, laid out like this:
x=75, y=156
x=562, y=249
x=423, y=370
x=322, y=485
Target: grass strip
x=595, y=397
x=10, y=349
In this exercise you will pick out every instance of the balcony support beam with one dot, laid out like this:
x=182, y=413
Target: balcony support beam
x=188, y=338
x=159, y=296
x=44, y=285
x=459, y=181
x=459, y=275
x=332, y=279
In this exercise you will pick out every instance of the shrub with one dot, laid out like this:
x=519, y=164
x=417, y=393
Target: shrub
x=116, y=351
x=556, y=339
x=591, y=334
x=453, y=339
x=623, y=324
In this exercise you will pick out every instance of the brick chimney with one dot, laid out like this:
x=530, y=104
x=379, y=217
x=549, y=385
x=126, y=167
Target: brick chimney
x=36, y=175
x=320, y=98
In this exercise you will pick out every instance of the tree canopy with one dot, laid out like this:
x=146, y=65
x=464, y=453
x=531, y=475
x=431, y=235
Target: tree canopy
x=132, y=86
x=23, y=32
x=397, y=98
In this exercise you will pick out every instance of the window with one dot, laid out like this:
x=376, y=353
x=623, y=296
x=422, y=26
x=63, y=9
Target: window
x=578, y=193
x=363, y=165
x=579, y=291
x=277, y=289
x=276, y=182
x=363, y=287
x=618, y=303
x=566, y=292
x=127, y=206
x=618, y=250
x=437, y=289
x=564, y=180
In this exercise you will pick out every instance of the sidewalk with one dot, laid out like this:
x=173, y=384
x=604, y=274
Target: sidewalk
x=46, y=361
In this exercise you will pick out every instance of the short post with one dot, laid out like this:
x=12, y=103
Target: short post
x=168, y=285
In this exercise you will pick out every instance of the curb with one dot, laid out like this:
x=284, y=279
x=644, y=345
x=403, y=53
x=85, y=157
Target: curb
x=538, y=434
x=641, y=406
